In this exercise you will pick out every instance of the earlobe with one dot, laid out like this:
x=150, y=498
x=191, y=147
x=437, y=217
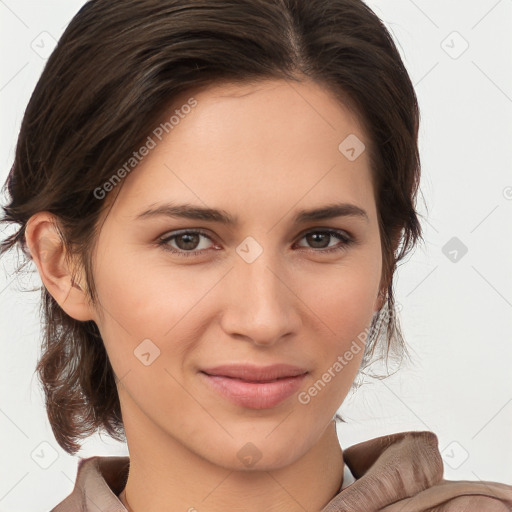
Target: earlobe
x=48, y=252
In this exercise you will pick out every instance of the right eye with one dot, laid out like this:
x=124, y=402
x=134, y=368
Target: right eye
x=186, y=242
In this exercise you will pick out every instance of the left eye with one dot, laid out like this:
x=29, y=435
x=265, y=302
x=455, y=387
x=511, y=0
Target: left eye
x=313, y=237
x=188, y=242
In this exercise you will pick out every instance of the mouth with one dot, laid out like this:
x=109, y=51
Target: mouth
x=253, y=373
x=261, y=392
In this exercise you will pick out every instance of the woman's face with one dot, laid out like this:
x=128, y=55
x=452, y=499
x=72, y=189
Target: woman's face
x=180, y=295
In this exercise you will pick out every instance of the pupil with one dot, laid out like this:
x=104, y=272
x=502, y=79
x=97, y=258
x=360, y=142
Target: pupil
x=189, y=239
x=316, y=238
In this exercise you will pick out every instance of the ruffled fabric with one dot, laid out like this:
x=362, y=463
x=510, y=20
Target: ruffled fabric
x=403, y=472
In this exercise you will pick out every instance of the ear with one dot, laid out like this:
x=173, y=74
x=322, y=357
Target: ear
x=48, y=252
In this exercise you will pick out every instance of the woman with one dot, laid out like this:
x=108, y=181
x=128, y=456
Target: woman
x=214, y=195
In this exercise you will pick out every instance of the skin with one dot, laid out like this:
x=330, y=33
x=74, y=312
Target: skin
x=260, y=152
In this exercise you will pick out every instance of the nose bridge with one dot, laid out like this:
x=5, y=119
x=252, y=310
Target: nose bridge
x=260, y=280
x=260, y=304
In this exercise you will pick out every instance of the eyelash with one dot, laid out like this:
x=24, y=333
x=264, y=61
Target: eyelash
x=340, y=235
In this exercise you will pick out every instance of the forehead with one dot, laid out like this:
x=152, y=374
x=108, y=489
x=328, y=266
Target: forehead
x=259, y=105
x=241, y=144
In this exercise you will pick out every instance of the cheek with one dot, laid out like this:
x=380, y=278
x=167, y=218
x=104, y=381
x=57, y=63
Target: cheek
x=344, y=303
x=344, y=299
x=139, y=313
x=148, y=301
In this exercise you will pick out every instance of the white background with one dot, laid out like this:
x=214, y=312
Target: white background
x=457, y=316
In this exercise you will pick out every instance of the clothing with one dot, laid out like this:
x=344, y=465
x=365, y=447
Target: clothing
x=400, y=472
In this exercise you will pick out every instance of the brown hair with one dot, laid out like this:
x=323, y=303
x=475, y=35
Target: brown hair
x=117, y=68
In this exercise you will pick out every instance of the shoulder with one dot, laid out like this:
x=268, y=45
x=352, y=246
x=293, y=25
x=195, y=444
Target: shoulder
x=404, y=472
x=458, y=496
x=99, y=480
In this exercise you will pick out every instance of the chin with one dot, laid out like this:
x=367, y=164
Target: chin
x=259, y=451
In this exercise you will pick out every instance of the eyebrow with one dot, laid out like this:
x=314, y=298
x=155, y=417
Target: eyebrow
x=188, y=211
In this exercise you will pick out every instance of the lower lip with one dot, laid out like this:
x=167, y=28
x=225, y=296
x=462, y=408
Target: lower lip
x=255, y=395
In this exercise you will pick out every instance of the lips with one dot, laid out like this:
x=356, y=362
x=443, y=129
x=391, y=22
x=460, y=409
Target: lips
x=255, y=387
x=253, y=373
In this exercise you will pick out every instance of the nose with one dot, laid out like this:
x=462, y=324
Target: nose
x=259, y=302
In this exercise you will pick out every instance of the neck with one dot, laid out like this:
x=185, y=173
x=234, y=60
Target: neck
x=174, y=478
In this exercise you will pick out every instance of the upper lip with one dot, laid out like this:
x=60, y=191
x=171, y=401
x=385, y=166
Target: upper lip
x=256, y=373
